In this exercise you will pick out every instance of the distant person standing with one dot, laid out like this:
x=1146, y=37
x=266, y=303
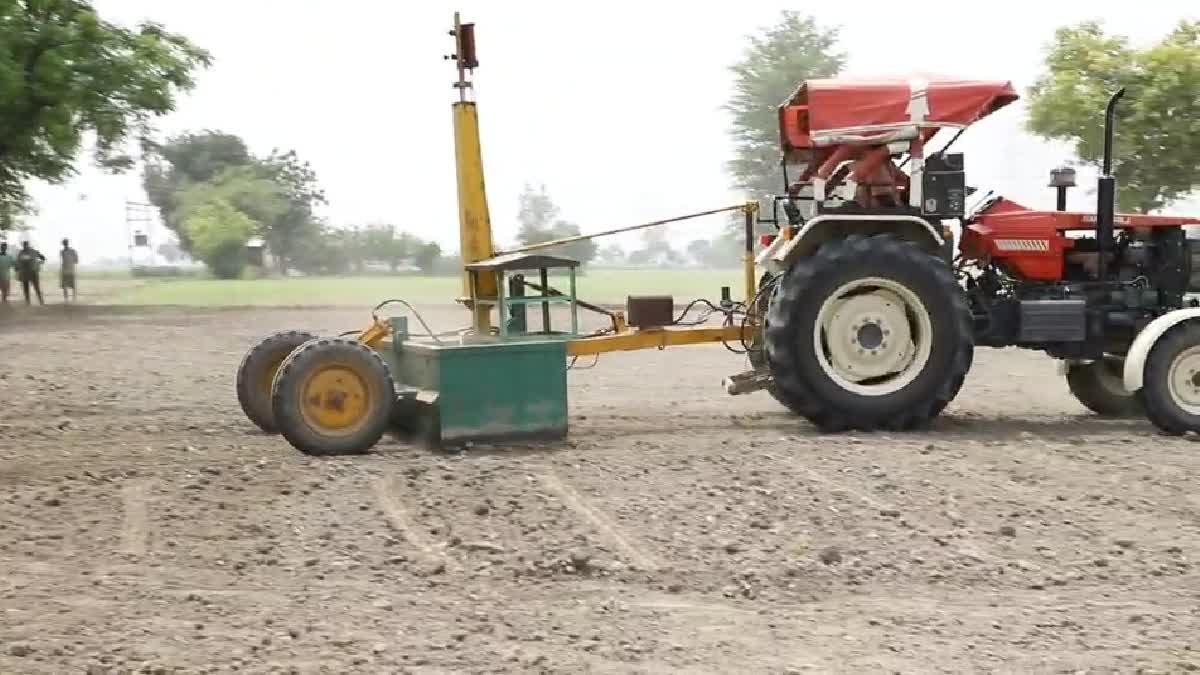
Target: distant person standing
x=6, y=265
x=66, y=271
x=29, y=271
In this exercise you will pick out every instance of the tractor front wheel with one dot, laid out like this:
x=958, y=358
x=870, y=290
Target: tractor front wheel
x=333, y=397
x=257, y=372
x=1098, y=386
x=870, y=332
x=1170, y=394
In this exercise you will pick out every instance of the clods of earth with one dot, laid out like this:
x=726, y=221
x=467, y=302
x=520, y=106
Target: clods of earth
x=147, y=527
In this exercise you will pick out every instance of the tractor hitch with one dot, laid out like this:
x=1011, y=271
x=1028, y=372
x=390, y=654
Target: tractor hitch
x=746, y=383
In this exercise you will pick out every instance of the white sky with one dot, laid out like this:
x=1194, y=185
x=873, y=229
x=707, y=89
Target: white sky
x=615, y=106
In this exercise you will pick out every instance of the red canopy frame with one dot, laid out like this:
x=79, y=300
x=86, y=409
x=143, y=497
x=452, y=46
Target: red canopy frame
x=821, y=113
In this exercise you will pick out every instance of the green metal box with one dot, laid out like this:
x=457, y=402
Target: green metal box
x=454, y=394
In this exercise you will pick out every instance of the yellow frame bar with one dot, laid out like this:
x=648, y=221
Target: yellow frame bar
x=475, y=239
x=653, y=338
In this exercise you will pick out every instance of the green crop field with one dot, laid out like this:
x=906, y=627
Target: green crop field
x=600, y=286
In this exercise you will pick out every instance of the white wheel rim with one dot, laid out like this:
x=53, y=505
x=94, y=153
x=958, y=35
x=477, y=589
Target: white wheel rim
x=872, y=336
x=1184, y=380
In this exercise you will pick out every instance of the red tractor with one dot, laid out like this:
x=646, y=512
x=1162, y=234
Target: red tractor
x=868, y=315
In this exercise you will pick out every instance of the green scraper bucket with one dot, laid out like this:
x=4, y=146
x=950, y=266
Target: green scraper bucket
x=460, y=394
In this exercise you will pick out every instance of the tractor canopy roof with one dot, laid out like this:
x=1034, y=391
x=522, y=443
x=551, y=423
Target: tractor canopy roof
x=880, y=110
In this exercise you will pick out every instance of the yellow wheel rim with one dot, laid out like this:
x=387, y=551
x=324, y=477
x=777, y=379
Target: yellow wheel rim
x=336, y=399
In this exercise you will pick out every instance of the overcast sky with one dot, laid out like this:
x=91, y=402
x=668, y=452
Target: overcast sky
x=614, y=106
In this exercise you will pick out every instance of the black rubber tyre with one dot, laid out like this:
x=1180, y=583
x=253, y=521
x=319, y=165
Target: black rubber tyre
x=801, y=381
x=758, y=353
x=1097, y=385
x=357, y=378
x=1156, y=395
x=257, y=372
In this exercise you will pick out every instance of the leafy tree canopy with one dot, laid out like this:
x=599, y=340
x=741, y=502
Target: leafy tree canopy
x=67, y=75
x=1158, y=124
x=218, y=232
x=773, y=64
x=183, y=162
x=287, y=186
x=259, y=199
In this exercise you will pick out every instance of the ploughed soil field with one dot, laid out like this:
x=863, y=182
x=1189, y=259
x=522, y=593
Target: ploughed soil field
x=147, y=526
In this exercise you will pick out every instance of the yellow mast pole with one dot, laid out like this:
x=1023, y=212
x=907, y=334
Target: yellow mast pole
x=749, y=210
x=474, y=221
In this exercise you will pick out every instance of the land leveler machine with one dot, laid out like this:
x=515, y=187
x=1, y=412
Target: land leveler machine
x=859, y=311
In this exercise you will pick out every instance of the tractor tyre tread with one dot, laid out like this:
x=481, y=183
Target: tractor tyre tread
x=286, y=398
x=794, y=372
x=758, y=352
x=1087, y=388
x=256, y=404
x=1155, y=395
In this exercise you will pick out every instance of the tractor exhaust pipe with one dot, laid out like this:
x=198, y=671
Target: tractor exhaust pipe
x=1106, y=207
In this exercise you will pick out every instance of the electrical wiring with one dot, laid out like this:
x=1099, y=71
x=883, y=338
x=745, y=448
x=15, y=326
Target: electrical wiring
x=428, y=330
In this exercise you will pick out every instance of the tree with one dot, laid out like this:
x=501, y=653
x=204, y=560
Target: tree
x=700, y=251
x=297, y=182
x=771, y=67
x=383, y=243
x=656, y=249
x=184, y=161
x=612, y=254
x=426, y=256
x=538, y=220
x=535, y=213
x=326, y=252
x=261, y=200
x=218, y=232
x=286, y=186
x=66, y=75
x=1158, y=129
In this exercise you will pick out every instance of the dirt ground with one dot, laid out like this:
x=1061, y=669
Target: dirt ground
x=145, y=526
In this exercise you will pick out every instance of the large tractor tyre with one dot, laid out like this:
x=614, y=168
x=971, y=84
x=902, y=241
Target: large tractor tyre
x=758, y=352
x=333, y=397
x=1170, y=393
x=869, y=333
x=1098, y=386
x=257, y=372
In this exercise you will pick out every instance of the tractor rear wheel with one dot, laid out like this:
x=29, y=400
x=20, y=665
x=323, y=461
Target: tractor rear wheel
x=1098, y=386
x=869, y=332
x=333, y=397
x=757, y=352
x=1170, y=394
x=257, y=372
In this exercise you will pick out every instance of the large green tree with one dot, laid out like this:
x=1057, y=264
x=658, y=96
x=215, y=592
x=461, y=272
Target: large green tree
x=260, y=199
x=287, y=186
x=183, y=162
x=242, y=197
x=218, y=231
x=298, y=184
x=773, y=64
x=66, y=76
x=1158, y=128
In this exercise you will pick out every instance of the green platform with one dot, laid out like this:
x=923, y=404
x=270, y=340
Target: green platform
x=453, y=394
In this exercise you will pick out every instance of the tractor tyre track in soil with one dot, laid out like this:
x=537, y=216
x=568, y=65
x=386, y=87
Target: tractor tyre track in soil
x=147, y=526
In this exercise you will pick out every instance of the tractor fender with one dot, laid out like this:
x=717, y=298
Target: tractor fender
x=1135, y=358
x=830, y=226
